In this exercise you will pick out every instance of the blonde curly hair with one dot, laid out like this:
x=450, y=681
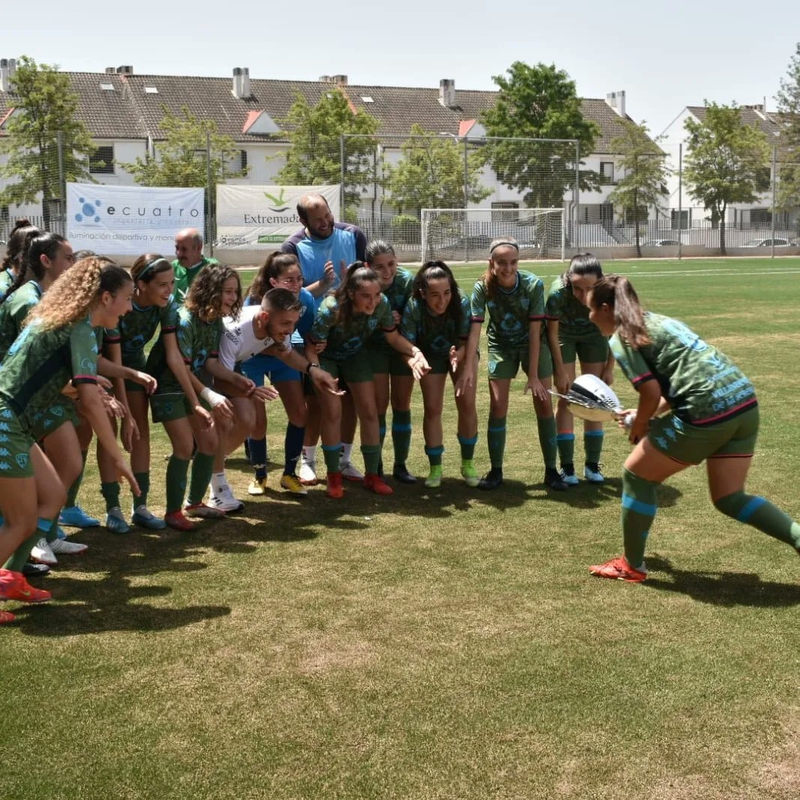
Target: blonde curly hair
x=71, y=297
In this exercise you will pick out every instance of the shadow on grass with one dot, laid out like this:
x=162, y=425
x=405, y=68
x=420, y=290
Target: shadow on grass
x=722, y=588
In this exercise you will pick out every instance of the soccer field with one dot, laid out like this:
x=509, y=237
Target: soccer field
x=437, y=644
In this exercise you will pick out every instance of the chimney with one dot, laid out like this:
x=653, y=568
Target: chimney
x=8, y=66
x=447, y=93
x=125, y=70
x=111, y=70
x=241, y=83
x=616, y=100
x=339, y=80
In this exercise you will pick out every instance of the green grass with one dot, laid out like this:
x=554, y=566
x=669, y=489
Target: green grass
x=445, y=644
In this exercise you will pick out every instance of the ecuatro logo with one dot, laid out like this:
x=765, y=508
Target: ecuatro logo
x=280, y=201
x=89, y=210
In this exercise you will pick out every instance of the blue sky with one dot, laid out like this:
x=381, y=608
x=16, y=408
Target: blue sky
x=664, y=55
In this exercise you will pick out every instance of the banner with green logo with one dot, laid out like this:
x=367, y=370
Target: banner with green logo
x=262, y=217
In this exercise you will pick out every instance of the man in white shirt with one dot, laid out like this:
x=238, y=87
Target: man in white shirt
x=265, y=329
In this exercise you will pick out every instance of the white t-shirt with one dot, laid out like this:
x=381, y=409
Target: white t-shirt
x=239, y=340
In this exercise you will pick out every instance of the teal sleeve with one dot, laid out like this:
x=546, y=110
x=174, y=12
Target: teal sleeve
x=536, y=296
x=83, y=353
x=326, y=314
x=408, y=324
x=478, y=302
x=384, y=316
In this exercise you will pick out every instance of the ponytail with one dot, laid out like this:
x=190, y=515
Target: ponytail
x=617, y=292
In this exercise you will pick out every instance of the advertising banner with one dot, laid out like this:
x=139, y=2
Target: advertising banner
x=130, y=220
x=261, y=217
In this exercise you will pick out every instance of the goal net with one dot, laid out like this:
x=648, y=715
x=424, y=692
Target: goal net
x=464, y=234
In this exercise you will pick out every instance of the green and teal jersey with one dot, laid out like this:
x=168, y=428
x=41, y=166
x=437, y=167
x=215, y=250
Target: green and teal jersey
x=702, y=385
x=185, y=277
x=6, y=279
x=197, y=340
x=510, y=310
x=139, y=326
x=435, y=335
x=13, y=312
x=572, y=315
x=347, y=340
x=40, y=363
x=398, y=295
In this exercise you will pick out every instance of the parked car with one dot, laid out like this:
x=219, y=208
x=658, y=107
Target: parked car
x=768, y=243
x=662, y=243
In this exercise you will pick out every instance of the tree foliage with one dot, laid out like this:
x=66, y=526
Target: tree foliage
x=789, y=106
x=726, y=162
x=183, y=158
x=315, y=155
x=46, y=119
x=431, y=174
x=539, y=102
x=644, y=172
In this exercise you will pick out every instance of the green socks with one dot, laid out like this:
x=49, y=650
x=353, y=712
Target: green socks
x=434, y=455
x=762, y=515
x=177, y=470
x=202, y=469
x=639, y=506
x=547, y=440
x=110, y=492
x=72, y=495
x=143, y=479
x=20, y=556
x=332, y=453
x=565, y=441
x=467, y=444
x=593, y=445
x=496, y=437
x=401, y=435
x=372, y=457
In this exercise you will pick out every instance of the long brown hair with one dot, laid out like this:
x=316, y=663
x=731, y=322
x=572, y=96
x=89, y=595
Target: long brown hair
x=358, y=273
x=616, y=292
x=489, y=278
x=204, y=299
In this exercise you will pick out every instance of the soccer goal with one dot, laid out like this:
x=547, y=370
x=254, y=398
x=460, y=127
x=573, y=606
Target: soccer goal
x=464, y=234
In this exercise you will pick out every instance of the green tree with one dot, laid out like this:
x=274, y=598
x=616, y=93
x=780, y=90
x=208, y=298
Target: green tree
x=788, y=195
x=539, y=102
x=430, y=174
x=44, y=124
x=183, y=158
x=315, y=155
x=643, y=184
x=726, y=162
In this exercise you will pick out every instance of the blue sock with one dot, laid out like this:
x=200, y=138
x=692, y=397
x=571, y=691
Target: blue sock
x=293, y=446
x=258, y=456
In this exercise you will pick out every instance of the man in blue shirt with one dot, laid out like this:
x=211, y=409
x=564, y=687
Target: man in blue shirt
x=322, y=247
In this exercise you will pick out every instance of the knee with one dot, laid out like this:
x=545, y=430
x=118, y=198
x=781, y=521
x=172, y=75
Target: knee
x=736, y=505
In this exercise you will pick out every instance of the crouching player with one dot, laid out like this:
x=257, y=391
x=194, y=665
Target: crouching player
x=709, y=413
x=265, y=329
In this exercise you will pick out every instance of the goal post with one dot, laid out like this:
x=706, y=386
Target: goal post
x=464, y=234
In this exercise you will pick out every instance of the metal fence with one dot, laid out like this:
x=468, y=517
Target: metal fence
x=387, y=181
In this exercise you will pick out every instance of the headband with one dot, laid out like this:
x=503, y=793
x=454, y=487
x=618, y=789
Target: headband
x=503, y=244
x=150, y=264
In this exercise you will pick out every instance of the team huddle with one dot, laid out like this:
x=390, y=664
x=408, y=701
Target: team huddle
x=88, y=348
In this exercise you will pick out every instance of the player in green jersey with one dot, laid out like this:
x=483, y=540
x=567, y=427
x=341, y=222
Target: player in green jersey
x=578, y=337
x=344, y=323
x=21, y=234
x=56, y=350
x=437, y=320
x=695, y=405
x=214, y=294
x=514, y=302
x=388, y=365
x=154, y=309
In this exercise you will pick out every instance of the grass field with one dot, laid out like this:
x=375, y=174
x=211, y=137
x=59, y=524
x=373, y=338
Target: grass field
x=446, y=644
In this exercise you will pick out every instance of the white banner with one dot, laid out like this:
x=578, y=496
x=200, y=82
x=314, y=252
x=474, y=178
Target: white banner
x=130, y=220
x=261, y=217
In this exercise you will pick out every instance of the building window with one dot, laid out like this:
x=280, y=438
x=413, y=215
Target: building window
x=499, y=215
x=101, y=162
x=760, y=217
x=684, y=220
x=236, y=164
x=607, y=172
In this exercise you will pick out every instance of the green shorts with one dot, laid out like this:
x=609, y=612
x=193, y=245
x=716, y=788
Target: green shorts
x=15, y=445
x=52, y=418
x=170, y=406
x=386, y=360
x=139, y=362
x=692, y=444
x=591, y=348
x=504, y=364
x=356, y=369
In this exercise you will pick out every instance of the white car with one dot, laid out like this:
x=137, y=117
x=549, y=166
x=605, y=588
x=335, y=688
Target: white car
x=768, y=243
